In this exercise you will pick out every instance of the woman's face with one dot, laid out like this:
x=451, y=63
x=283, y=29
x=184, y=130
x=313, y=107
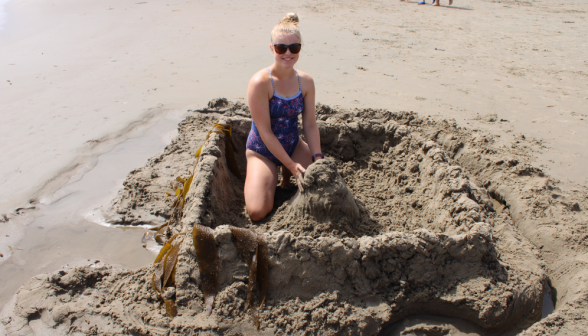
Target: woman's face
x=288, y=59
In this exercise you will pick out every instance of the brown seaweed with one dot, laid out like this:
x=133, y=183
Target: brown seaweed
x=208, y=263
x=165, y=249
x=156, y=279
x=253, y=250
x=230, y=150
x=246, y=242
x=169, y=265
x=204, y=242
x=164, y=275
x=262, y=269
x=250, y=288
x=171, y=308
x=227, y=131
x=181, y=186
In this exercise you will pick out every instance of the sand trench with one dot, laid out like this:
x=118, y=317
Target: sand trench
x=445, y=223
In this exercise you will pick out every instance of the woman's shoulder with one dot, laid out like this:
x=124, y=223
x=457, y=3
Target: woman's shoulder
x=260, y=78
x=303, y=75
x=305, y=79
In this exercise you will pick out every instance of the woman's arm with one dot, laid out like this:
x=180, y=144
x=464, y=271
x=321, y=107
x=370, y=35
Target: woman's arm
x=309, y=115
x=257, y=97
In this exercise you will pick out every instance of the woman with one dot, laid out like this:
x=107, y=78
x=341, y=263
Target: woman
x=276, y=96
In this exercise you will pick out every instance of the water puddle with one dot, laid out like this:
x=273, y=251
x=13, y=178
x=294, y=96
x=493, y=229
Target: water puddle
x=548, y=306
x=60, y=235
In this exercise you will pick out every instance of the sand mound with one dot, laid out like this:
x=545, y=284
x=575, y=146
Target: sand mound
x=326, y=207
x=326, y=197
x=444, y=222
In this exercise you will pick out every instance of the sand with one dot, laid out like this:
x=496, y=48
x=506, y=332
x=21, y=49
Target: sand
x=82, y=78
x=465, y=246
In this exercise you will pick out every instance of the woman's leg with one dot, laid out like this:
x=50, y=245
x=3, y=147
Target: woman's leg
x=260, y=185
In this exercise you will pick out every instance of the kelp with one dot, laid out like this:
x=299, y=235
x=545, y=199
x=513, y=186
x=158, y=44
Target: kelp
x=262, y=269
x=171, y=308
x=181, y=186
x=207, y=255
x=208, y=262
x=253, y=250
x=230, y=148
x=165, y=268
x=250, y=288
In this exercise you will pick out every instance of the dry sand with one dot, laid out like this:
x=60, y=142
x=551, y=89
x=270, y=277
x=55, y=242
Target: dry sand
x=82, y=78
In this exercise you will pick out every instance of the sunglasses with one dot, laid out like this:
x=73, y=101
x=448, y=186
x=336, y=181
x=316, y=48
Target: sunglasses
x=281, y=48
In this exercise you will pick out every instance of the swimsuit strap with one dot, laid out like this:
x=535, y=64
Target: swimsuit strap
x=272, y=78
x=299, y=86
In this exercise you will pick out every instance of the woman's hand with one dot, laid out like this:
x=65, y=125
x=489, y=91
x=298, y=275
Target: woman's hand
x=298, y=172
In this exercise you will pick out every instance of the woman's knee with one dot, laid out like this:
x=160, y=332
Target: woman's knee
x=258, y=212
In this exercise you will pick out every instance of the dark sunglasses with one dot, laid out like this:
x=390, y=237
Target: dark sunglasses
x=281, y=48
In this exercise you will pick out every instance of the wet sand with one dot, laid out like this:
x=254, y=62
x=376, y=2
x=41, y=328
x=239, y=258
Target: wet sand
x=62, y=233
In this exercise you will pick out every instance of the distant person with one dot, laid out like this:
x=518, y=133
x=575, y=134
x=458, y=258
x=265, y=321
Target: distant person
x=436, y=2
x=276, y=96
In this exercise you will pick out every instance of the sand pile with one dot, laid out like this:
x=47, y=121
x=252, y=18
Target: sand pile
x=326, y=207
x=425, y=217
x=326, y=197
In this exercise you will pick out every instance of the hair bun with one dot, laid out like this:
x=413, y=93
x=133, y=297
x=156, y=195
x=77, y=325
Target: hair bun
x=291, y=17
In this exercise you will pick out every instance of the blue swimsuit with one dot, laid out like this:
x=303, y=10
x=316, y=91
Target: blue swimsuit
x=284, y=123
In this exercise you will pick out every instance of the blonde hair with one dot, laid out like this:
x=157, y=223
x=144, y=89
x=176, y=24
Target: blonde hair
x=288, y=25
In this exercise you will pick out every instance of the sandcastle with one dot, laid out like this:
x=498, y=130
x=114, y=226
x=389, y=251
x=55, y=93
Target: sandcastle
x=393, y=224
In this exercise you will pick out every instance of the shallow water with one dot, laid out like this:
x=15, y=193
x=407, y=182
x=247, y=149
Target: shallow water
x=58, y=235
x=548, y=306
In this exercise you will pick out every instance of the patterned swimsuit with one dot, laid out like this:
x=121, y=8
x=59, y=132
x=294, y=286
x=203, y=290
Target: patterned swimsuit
x=284, y=123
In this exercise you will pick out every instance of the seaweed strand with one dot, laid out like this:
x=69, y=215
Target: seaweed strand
x=253, y=250
x=208, y=262
x=207, y=255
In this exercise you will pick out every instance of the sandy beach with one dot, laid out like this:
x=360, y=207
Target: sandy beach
x=92, y=91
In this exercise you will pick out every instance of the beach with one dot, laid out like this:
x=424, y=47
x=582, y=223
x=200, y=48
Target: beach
x=85, y=81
